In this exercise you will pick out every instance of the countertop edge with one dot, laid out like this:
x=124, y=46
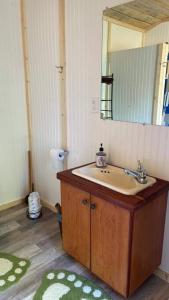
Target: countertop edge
x=129, y=202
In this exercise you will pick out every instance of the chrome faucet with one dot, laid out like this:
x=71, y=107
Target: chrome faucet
x=139, y=174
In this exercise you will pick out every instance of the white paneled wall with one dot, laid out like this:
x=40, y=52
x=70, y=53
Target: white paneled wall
x=13, y=123
x=42, y=20
x=124, y=142
x=123, y=38
x=157, y=35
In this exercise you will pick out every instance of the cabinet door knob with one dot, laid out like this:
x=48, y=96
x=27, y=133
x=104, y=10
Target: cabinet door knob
x=84, y=202
x=93, y=206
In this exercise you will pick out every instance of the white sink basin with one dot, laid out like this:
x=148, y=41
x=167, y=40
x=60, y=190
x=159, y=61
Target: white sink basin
x=113, y=178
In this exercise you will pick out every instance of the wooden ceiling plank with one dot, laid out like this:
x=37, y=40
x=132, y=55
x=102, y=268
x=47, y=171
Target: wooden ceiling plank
x=142, y=14
x=126, y=19
x=136, y=14
x=165, y=20
x=149, y=8
x=164, y=3
x=117, y=22
x=141, y=11
x=151, y=5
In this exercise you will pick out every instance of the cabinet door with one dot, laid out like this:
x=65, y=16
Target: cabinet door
x=76, y=223
x=110, y=243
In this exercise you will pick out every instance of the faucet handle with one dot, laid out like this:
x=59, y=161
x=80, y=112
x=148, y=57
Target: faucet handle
x=142, y=172
x=140, y=167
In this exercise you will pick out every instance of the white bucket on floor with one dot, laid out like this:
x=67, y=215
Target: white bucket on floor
x=34, y=206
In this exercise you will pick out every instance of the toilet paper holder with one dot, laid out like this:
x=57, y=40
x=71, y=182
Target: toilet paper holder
x=63, y=153
x=58, y=154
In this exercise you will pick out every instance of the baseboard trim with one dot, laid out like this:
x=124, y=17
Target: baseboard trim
x=10, y=204
x=15, y=202
x=162, y=274
x=47, y=204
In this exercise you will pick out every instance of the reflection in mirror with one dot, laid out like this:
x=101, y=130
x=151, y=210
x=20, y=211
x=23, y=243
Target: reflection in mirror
x=135, y=70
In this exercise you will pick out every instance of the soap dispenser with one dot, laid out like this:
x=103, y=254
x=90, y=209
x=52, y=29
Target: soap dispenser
x=101, y=157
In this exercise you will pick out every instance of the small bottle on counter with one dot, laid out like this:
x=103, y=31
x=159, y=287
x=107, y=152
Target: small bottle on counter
x=101, y=157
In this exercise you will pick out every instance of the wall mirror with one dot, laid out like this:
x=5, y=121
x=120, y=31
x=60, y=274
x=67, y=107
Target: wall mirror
x=135, y=63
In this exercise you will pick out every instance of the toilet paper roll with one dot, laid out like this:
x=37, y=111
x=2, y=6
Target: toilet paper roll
x=57, y=154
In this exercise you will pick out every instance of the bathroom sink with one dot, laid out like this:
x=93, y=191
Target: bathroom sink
x=113, y=178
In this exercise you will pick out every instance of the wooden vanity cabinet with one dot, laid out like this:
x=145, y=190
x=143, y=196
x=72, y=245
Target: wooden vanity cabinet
x=120, y=242
x=76, y=223
x=96, y=233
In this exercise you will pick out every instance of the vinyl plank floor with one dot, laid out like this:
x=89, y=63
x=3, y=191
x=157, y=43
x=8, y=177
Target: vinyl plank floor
x=40, y=242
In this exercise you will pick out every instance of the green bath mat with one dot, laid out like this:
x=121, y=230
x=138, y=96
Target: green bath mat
x=65, y=285
x=12, y=269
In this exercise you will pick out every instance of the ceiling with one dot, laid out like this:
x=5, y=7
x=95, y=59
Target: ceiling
x=141, y=14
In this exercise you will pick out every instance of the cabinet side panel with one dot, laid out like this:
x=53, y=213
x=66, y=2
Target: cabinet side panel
x=110, y=244
x=148, y=232
x=76, y=223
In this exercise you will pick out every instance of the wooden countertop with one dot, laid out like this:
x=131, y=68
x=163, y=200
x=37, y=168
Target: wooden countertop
x=130, y=202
